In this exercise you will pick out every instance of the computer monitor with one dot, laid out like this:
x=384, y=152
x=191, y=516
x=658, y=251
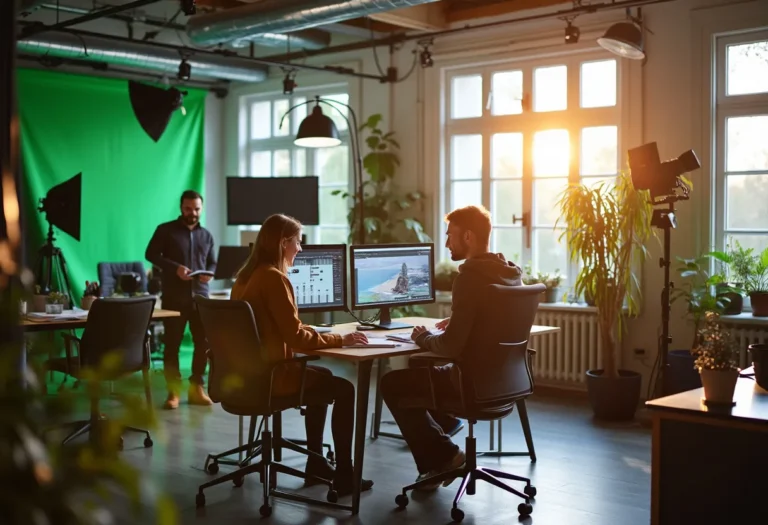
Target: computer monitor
x=390, y=275
x=250, y=200
x=319, y=278
x=230, y=260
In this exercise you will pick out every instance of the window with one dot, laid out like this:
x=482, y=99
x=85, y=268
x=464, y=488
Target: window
x=741, y=140
x=516, y=135
x=267, y=150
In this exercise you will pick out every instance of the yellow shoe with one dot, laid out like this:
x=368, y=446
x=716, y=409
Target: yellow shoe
x=197, y=395
x=171, y=402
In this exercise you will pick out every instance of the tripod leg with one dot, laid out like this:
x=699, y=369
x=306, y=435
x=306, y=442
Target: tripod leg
x=65, y=278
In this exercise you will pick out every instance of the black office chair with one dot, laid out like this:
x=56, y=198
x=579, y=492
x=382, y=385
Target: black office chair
x=489, y=387
x=114, y=325
x=240, y=379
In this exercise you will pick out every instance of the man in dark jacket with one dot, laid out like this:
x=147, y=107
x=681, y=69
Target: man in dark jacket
x=179, y=248
x=468, y=237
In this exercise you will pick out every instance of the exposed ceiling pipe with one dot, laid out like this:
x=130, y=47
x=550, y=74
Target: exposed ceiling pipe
x=163, y=59
x=306, y=39
x=280, y=16
x=27, y=7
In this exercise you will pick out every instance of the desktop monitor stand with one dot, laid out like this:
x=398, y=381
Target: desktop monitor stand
x=385, y=322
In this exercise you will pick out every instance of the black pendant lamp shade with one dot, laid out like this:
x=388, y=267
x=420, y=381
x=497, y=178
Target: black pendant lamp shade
x=624, y=39
x=317, y=131
x=153, y=106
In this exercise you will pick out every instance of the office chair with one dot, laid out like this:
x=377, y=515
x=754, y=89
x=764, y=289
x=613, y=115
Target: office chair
x=113, y=325
x=491, y=383
x=240, y=378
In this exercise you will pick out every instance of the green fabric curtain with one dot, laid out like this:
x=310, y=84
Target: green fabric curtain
x=130, y=184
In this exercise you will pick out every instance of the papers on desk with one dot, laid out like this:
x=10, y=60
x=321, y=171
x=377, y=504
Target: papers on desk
x=67, y=315
x=406, y=337
x=375, y=342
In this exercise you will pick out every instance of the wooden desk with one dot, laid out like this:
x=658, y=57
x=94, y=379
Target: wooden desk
x=364, y=358
x=73, y=324
x=708, y=465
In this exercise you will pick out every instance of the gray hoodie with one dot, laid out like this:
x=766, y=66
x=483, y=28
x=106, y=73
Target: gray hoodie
x=474, y=274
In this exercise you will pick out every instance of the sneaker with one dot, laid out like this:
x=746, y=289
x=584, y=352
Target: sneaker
x=171, y=402
x=455, y=429
x=197, y=395
x=458, y=461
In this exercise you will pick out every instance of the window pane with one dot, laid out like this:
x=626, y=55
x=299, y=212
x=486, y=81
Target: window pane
x=337, y=118
x=551, y=153
x=279, y=108
x=506, y=200
x=507, y=87
x=333, y=164
x=599, y=150
x=261, y=164
x=546, y=194
x=281, y=161
x=549, y=254
x=550, y=88
x=466, y=193
x=748, y=201
x=334, y=235
x=507, y=155
x=300, y=161
x=466, y=156
x=757, y=242
x=508, y=241
x=260, y=121
x=298, y=114
x=747, y=143
x=748, y=68
x=333, y=209
x=467, y=96
x=598, y=84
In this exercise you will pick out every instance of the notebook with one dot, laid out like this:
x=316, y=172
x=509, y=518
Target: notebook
x=375, y=342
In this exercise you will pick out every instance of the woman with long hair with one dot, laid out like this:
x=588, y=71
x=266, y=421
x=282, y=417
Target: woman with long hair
x=264, y=284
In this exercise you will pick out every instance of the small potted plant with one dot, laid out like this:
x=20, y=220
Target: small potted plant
x=91, y=293
x=756, y=284
x=39, y=300
x=55, y=303
x=550, y=280
x=445, y=274
x=716, y=360
x=736, y=264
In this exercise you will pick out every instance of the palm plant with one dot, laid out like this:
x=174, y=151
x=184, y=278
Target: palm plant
x=606, y=227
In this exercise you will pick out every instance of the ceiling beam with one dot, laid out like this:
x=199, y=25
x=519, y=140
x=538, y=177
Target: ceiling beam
x=423, y=17
x=458, y=14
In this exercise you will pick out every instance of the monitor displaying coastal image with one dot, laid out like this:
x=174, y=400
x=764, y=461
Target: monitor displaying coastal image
x=392, y=274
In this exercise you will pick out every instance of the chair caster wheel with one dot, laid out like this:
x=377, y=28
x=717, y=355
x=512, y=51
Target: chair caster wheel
x=401, y=501
x=200, y=500
x=212, y=468
x=265, y=511
x=331, y=456
x=238, y=482
x=332, y=496
x=457, y=515
x=120, y=444
x=525, y=509
x=530, y=491
x=148, y=442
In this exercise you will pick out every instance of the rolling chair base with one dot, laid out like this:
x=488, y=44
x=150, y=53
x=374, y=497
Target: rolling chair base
x=90, y=427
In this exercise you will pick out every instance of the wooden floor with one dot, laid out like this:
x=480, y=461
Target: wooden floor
x=587, y=473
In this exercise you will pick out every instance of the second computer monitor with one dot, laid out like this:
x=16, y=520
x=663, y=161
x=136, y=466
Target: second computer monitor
x=319, y=278
x=390, y=275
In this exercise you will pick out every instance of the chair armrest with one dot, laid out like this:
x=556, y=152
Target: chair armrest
x=302, y=360
x=532, y=351
x=435, y=358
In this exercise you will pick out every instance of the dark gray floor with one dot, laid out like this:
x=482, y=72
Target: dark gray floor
x=587, y=473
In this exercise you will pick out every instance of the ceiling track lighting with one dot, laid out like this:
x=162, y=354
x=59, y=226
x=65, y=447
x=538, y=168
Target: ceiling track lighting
x=185, y=70
x=289, y=82
x=572, y=32
x=625, y=39
x=425, y=55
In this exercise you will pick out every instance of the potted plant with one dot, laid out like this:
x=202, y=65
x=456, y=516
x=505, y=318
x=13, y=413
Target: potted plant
x=445, y=274
x=716, y=360
x=55, y=302
x=606, y=228
x=550, y=280
x=91, y=293
x=736, y=265
x=756, y=284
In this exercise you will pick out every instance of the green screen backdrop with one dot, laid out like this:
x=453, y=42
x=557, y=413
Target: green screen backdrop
x=130, y=184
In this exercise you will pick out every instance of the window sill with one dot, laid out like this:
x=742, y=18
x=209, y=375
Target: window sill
x=744, y=318
x=445, y=298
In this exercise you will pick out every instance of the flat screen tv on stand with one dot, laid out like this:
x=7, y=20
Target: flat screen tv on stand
x=388, y=276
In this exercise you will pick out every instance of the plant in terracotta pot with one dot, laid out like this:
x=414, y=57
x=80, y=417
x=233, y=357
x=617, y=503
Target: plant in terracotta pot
x=756, y=284
x=717, y=361
x=606, y=227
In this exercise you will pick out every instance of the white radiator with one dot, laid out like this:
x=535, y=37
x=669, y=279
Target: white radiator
x=563, y=358
x=747, y=334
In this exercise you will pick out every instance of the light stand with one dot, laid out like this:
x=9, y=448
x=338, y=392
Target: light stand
x=319, y=131
x=51, y=263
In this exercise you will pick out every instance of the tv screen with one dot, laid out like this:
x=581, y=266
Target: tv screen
x=250, y=200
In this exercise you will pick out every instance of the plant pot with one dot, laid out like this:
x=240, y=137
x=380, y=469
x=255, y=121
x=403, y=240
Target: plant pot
x=54, y=308
x=87, y=301
x=550, y=295
x=759, y=353
x=614, y=398
x=759, y=302
x=736, y=300
x=39, y=302
x=719, y=385
x=589, y=298
x=680, y=375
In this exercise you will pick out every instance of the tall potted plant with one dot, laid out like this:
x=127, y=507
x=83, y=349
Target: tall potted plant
x=606, y=226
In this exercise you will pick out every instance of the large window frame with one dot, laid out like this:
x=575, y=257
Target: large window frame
x=255, y=148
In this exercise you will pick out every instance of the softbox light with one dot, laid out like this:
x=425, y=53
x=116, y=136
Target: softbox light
x=153, y=106
x=62, y=206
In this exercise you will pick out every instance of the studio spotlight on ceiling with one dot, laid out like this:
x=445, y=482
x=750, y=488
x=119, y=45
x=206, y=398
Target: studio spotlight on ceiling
x=572, y=33
x=425, y=55
x=153, y=106
x=289, y=84
x=625, y=39
x=185, y=70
